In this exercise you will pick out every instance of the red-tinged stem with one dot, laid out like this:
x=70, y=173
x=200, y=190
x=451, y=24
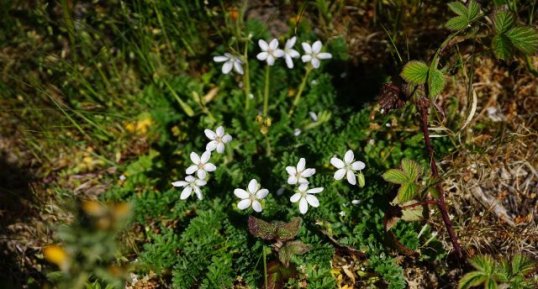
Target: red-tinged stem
x=423, y=105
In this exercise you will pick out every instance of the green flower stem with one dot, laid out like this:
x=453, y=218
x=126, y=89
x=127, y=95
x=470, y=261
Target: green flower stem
x=264, y=267
x=266, y=91
x=246, y=77
x=300, y=92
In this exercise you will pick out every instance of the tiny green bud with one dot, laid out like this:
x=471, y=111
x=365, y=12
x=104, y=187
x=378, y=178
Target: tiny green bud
x=362, y=181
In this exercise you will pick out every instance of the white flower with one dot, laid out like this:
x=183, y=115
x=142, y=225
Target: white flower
x=201, y=165
x=251, y=197
x=299, y=174
x=313, y=116
x=217, y=139
x=190, y=184
x=270, y=52
x=289, y=52
x=347, y=167
x=313, y=53
x=230, y=62
x=305, y=197
x=296, y=132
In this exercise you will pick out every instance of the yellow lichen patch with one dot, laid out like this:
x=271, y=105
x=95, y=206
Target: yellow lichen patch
x=140, y=126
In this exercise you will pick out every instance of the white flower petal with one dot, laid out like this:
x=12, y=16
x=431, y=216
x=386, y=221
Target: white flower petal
x=211, y=146
x=195, y=158
x=312, y=201
x=205, y=157
x=219, y=131
x=220, y=147
x=307, y=48
x=351, y=177
x=316, y=47
x=200, y=183
x=273, y=44
x=349, y=157
x=201, y=174
x=306, y=58
x=210, y=134
x=256, y=206
x=303, y=187
x=289, y=61
x=324, y=55
x=190, y=179
x=190, y=170
x=227, y=67
x=315, y=190
x=303, y=206
x=262, y=56
x=243, y=204
x=262, y=194
x=293, y=53
x=227, y=138
x=242, y=194
x=198, y=193
x=337, y=163
x=292, y=180
x=339, y=174
x=209, y=167
x=179, y=184
x=301, y=164
x=291, y=42
x=238, y=67
x=253, y=186
x=358, y=165
x=295, y=198
x=185, y=193
x=291, y=170
x=263, y=45
x=302, y=180
x=315, y=62
x=220, y=58
x=270, y=60
x=278, y=53
x=308, y=173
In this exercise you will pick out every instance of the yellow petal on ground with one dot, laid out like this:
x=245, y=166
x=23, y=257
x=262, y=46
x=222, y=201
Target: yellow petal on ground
x=56, y=255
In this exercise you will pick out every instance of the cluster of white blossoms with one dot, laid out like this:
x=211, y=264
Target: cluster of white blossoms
x=270, y=53
x=201, y=165
x=252, y=197
x=298, y=176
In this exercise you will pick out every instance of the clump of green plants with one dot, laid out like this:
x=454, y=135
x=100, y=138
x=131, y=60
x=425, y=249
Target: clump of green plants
x=88, y=251
x=508, y=273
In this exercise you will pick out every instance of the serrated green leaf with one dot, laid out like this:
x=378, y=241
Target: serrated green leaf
x=415, y=72
x=525, y=39
x=482, y=263
x=262, y=229
x=458, y=8
x=412, y=214
x=473, y=11
x=501, y=46
x=407, y=192
x=290, y=249
x=436, y=82
x=471, y=279
x=457, y=23
x=411, y=169
x=522, y=264
x=288, y=231
x=503, y=21
x=395, y=176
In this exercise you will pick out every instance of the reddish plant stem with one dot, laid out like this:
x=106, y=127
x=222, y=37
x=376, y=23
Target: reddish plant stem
x=423, y=105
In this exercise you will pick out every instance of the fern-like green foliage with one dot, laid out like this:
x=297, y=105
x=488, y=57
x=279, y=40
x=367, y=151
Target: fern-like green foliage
x=466, y=15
